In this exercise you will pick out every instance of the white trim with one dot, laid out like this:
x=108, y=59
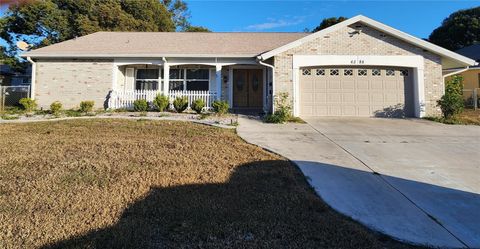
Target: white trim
x=218, y=81
x=34, y=78
x=379, y=26
x=456, y=72
x=230, y=87
x=416, y=62
x=76, y=55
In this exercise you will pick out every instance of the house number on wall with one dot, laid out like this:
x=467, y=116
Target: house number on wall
x=357, y=62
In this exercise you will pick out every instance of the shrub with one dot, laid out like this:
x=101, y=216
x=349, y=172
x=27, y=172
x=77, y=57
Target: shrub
x=28, y=104
x=56, y=108
x=220, y=107
x=180, y=104
x=198, y=105
x=283, y=113
x=161, y=102
x=87, y=106
x=140, y=105
x=451, y=102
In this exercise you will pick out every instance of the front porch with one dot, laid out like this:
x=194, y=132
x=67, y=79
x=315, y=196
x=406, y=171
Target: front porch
x=244, y=84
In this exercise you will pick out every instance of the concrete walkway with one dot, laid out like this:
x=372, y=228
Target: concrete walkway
x=359, y=180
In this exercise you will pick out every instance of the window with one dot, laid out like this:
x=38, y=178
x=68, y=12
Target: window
x=320, y=72
x=306, y=72
x=197, y=79
x=390, y=72
x=376, y=72
x=404, y=72
x=334, y=72
x=189, y=79
x=362, y=72
x=147, y=79
x=348, y=72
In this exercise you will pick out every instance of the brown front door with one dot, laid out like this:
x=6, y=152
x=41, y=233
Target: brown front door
x=247, y=88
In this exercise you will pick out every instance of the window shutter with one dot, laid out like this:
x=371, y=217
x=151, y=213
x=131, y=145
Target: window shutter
x=129, y=79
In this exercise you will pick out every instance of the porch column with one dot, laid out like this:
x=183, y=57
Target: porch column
x=218, y=80
x=166, y=78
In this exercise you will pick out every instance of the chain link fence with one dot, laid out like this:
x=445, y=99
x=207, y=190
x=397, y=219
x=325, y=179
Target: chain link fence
x=472, y=98
x=11, y=95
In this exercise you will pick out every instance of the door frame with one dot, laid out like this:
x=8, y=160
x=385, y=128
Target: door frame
x=230, y=82
x=411, y=61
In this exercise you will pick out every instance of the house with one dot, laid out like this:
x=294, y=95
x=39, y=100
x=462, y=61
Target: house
x=471, y=75
x=359, y=67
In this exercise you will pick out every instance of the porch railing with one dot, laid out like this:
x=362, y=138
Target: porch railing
x=125, y=99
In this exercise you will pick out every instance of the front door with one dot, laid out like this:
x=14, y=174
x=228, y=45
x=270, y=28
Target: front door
x=248, y=88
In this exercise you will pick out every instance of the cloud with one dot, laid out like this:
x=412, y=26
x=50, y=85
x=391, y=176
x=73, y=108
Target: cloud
x=276, y=23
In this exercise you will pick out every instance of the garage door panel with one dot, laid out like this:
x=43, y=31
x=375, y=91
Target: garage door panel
x=376, y=85
x=348, y=85
x=320, y=85
x=321, y=97
x=344, y=94
x=362, y=97
x=349, y=110
x=334, y=97
x=348, y=97
x=390, y=85
x=362, y=84
x=321, y=111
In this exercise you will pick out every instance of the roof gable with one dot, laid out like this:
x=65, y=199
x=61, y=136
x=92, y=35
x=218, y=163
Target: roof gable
x=381, y=27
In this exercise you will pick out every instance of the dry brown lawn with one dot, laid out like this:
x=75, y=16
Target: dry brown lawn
x=158, y=184
x=470, y=116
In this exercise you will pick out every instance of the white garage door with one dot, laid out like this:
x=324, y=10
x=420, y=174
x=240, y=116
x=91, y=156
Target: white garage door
x=380, y=92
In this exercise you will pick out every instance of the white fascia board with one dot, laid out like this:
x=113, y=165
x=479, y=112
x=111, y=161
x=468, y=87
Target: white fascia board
x=73, y=55
x=379, y=26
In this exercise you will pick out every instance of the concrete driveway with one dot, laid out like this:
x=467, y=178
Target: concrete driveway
x=415, y=180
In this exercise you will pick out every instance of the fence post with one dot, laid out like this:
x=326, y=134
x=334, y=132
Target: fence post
x=475, y=98
x=2, y=97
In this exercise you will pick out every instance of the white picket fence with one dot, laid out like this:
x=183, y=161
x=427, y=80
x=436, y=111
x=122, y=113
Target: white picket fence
x=125, y=99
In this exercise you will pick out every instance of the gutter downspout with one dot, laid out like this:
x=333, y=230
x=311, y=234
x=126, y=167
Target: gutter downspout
x=456, y=72
x=453, y=73
x=259, y=60
x=33, y=78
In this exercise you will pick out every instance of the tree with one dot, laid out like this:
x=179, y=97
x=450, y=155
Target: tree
x=327, y=22
x=451, y=102
x=180, y=13
x=459, y=30
x=197, y=29
x=47, y=22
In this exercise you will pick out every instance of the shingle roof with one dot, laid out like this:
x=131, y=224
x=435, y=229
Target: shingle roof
x=150, y=44
x=473, y=52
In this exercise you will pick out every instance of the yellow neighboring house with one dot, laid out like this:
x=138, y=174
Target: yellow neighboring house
x=471, y=75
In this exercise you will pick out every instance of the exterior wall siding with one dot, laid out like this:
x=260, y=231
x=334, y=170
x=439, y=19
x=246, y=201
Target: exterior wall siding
x=368, y=42
x=73, y=81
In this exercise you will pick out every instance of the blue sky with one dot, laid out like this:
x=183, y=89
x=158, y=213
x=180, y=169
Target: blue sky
x=418, y=18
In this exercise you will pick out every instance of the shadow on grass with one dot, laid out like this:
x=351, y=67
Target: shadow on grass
x=264, y=204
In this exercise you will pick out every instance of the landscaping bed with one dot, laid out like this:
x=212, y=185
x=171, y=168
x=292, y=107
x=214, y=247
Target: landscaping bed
x=466, y=117
x=112, y=183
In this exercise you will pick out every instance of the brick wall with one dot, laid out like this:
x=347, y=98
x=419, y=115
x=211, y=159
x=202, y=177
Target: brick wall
x=369, y=42
x=72, y=81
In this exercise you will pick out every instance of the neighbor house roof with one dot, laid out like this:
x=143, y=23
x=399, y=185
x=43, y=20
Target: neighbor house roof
x=164, y=44
x=472, y=52
x=452, y=59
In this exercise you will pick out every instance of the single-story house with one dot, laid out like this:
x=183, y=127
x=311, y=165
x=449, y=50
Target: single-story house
x=359, y=67
x=471, y=75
